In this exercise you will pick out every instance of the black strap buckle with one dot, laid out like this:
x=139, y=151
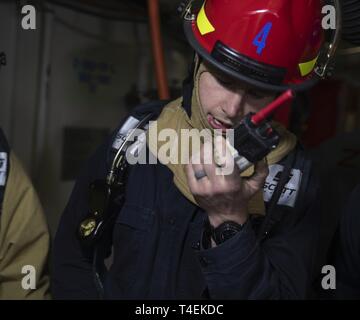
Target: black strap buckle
x=2, y=59
x=273, y=216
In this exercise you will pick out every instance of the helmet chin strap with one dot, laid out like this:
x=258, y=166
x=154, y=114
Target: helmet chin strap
x=188, y=84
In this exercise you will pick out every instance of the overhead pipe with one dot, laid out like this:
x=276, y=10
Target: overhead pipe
x=157, y=48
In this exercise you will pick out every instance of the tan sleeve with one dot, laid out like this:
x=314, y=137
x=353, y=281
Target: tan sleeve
x=24, y=239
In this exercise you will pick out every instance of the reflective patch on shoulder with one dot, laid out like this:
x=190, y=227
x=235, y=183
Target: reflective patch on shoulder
x=291, y=189
x=3, y=167
x=129, y=124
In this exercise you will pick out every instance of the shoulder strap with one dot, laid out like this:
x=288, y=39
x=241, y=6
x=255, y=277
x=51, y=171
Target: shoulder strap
x=4, y=166
x=296, y=167
x=106, y=196
x=309, y=185
x=273, y=215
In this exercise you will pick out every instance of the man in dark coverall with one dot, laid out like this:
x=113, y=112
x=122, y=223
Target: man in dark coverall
x=346, y=251
x=184, y=231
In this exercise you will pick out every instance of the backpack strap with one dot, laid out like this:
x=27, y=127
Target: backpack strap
x=107, y=196
x=294, y=189
x=309, y=185
x=4, y=166
x=273, y=216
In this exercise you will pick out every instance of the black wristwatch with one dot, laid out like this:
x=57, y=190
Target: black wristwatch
x=220, y=234
x=225, y=231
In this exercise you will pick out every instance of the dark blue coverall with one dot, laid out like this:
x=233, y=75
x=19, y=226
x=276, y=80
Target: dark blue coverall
x=156, y=251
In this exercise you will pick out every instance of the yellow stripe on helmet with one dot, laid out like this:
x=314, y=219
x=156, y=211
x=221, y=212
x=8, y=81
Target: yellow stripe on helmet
x=203, y=22
x=307, y=67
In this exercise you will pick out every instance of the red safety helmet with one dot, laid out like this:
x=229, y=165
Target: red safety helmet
x=274, y=45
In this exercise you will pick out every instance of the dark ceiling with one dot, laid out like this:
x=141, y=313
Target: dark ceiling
x=129, y=10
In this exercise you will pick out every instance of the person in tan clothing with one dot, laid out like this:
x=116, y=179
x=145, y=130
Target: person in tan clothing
x=24, y=235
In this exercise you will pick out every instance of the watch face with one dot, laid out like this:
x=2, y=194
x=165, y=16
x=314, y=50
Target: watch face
x=226, y=231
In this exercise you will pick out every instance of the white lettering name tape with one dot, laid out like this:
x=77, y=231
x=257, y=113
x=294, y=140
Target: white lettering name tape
x=3, y=168
x=130, y=123
x=291, y=189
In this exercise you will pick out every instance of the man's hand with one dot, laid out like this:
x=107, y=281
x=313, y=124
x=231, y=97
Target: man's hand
x=223, y=196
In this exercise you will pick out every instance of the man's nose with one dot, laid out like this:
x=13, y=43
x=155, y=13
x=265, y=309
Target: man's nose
x=235, y=106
